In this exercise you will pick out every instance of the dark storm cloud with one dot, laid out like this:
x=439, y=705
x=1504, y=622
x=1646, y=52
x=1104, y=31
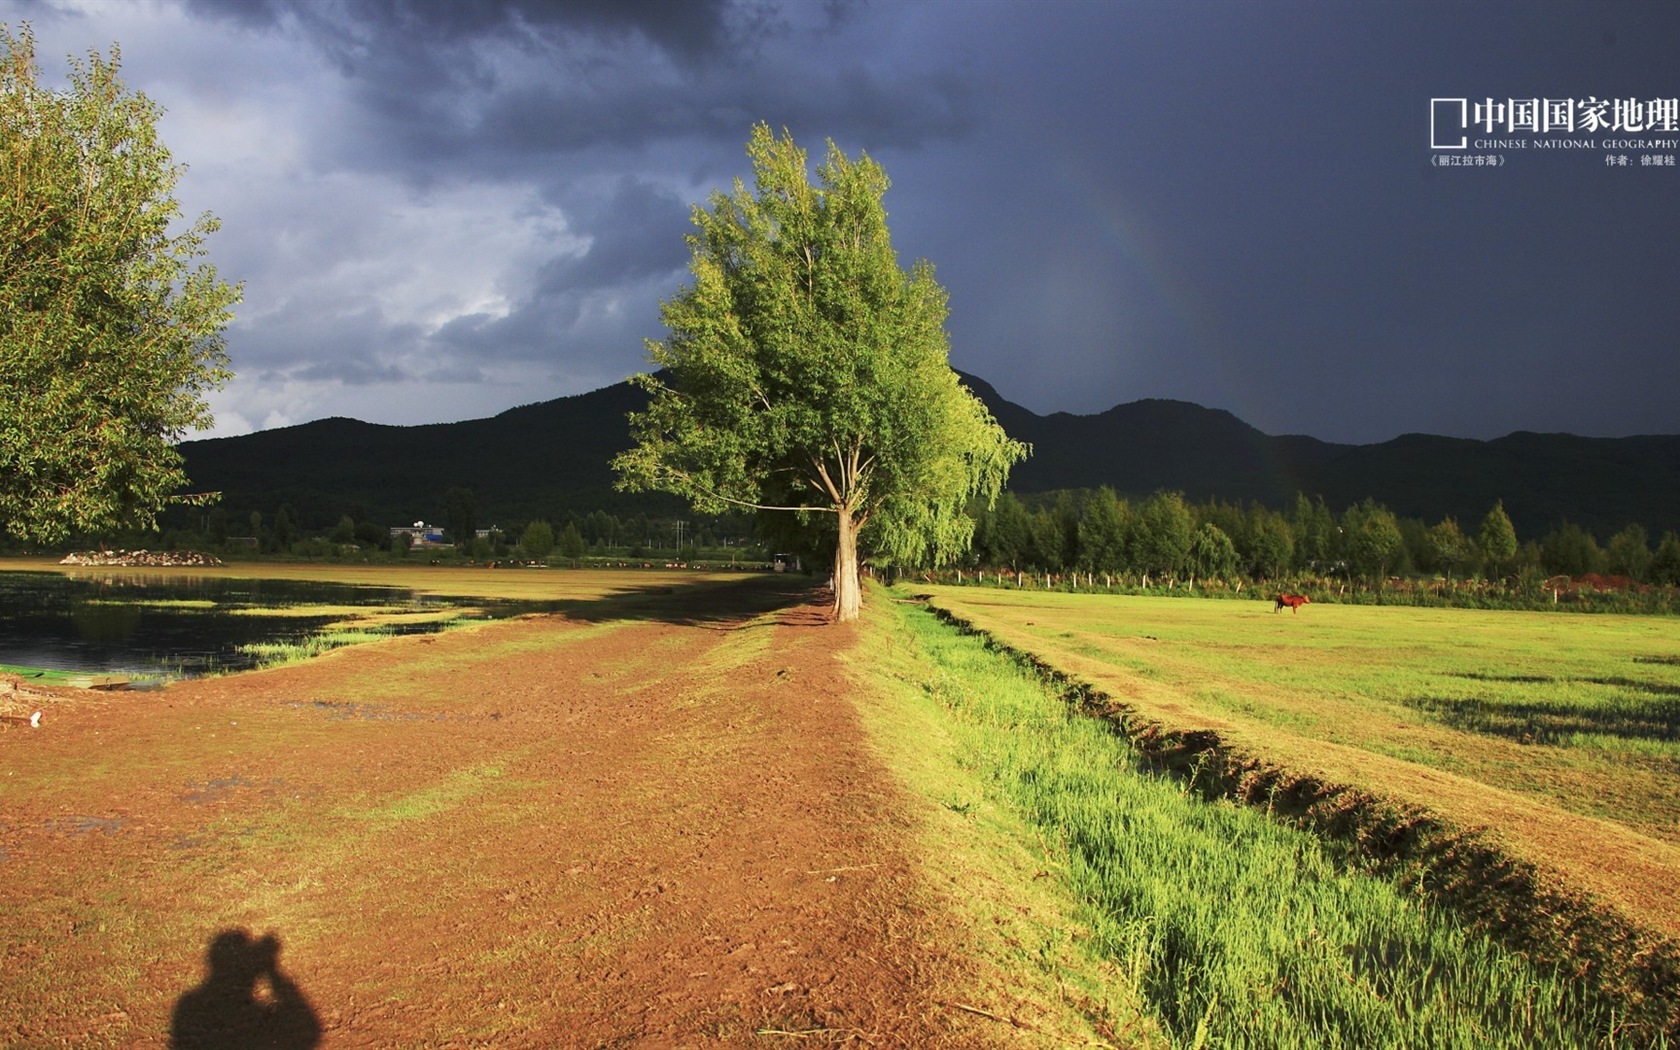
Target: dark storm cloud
x=493, y=88
x=637, y=231
x=346, y=28
x=1230, y=203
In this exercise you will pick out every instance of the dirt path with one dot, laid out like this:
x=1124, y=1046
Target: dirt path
x=660, y=831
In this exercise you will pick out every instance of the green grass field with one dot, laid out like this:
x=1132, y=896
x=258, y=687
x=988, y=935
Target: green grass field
x=1577, y=712
x=1218, y=925
x=1549, y=740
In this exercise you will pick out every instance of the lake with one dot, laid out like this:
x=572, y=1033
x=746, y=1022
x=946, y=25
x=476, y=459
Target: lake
x=172, y=626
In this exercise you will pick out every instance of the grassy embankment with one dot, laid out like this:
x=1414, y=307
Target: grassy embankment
x=1216, y=924
x=1284, y=711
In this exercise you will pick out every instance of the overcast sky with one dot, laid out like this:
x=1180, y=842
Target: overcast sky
x=441, y=211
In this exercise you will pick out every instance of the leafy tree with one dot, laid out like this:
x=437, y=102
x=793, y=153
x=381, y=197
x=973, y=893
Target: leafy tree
x=1570, y=550
x=570, y=544
x=601, y=527
x=1161, y=535
x=1046, y=541
x=1007, y=530
x=1629, y=553
x=110, y=332
x=1448, y=547
x=1228, y=516
x=1212, y=555
x=806, y=373
x=370, y=535
x=1269, y=541
x=1665, y=564
x=1415, y=549
x=1315, y=533
x=537, y=540
x=285, y=529
x=1497, y=538
x=1102, y=532
x=344, y=531
x=460, y=516
x=1373, y=539
x=1066, y=512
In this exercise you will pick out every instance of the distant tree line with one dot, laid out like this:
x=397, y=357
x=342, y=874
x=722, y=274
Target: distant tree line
x=1166, y=539
x=572, y=536
x=1163, y=539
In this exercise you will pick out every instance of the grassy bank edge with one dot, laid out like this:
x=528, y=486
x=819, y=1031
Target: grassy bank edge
x=1003, y=882
x=1490, y=891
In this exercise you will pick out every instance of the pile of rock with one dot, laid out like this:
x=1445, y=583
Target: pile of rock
x=148, y=559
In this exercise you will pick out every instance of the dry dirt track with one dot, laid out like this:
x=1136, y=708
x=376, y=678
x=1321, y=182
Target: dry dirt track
x=664, y=830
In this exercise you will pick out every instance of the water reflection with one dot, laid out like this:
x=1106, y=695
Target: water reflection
x=157, y=626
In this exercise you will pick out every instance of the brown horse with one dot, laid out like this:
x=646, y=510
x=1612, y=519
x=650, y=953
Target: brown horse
x=1294, y=601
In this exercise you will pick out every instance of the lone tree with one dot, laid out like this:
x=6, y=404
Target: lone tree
x=109, y=333
x=806, y=373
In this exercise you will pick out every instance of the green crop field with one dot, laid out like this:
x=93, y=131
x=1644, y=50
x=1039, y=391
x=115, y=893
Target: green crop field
x=1551, y=741
x=1220, y=926
x=1573, y=712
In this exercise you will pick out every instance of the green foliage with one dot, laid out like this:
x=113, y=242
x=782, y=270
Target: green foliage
x=285, y=531
x=1372, y=535
x=1570, y=550
x=1234, y=929
x=1315, y=533
x=110, y=331
x=1007, y=532
x=460, y=515
x=1665, y=564
x=1448, y=549
x=1161, y=534
x=806, y=372
x=1269, y=544
x=570, y=544
x=1047, y=541
x=1498, y=539
x=1212, y=554
x=1102, y=532
x=537, y=540
x=1629, y=553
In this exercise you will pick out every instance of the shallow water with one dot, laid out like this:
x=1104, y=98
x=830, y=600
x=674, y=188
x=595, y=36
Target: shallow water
x=172, y=626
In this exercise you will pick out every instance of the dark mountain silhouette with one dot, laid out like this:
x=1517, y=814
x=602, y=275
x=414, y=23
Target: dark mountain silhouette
x=544, y=460
x=534, y=461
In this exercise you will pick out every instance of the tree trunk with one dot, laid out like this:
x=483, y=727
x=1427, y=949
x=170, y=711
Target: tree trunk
x=848, y=590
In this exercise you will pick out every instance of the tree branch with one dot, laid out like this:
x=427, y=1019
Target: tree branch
x=714, y=494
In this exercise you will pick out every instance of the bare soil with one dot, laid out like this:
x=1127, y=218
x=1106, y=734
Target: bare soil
x=659, y=827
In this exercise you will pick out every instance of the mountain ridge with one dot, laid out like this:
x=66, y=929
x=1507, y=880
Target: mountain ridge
x=546, y=458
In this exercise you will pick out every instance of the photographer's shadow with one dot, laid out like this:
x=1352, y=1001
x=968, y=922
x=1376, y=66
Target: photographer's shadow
x=244, y=1001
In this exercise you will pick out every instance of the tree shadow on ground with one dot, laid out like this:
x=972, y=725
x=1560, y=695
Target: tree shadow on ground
x=245, y=1000
x=1625, y=716
x=726, y=605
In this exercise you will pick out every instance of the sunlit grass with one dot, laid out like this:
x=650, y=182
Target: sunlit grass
x=180, y=604
x=278, y=654
x=1582, y=712
x=1233, y=929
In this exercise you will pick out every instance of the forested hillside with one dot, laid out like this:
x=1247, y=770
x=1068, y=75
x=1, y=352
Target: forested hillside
x=550, y=461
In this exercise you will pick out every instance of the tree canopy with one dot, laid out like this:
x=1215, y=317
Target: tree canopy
x=110, y=331
x=807, y=373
